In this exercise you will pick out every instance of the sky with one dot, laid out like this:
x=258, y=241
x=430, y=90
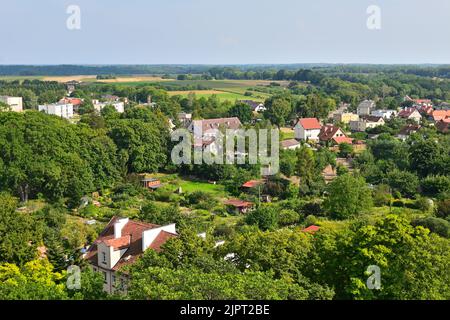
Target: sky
x=224, y=32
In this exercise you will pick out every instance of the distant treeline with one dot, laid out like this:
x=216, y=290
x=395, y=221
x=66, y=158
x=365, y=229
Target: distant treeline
x=269, y=71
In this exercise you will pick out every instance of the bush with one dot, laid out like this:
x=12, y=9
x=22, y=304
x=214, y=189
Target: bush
x=382, y=195
x=424, y=204
x=434, y=185
x=288, y=217
x=436, y=225
x=398, y=203
x=404, y=182
x=443, y=208
x=266, y=218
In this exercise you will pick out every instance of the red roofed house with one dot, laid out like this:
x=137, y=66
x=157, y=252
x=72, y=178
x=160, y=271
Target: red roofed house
x=120, y=244
x=410, y=113
x=330, y=132
x=307, y=129
x=239, y=205
x=439, y=115
x=76, y=102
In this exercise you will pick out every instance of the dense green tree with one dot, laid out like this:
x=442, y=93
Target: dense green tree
x=347, y=196
x=241, y=110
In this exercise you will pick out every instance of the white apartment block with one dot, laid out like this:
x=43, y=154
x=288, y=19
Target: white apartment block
x=15, y=103
x=62, y=110
x=119, y=106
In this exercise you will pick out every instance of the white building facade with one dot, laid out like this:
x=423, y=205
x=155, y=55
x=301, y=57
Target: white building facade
x=62, y=110
x=15, y=103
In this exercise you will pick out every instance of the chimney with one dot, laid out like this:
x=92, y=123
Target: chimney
x=118, y=226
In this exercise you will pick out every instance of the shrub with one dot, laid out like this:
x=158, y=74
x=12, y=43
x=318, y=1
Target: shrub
x=434, y=185
x=288, y=217
x=436, y=225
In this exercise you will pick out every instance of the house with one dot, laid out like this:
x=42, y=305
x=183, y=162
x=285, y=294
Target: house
x=366, y=122
x=385, y=114
x=418, y=102
x=76, y=102
x=256, y=106
x=210, y=127
x=307, y=129
x=407, y=130
x=151, y=183
x=290, y=144
x=98, y=106
x=365, y=107
x=438, y=115
x=184, y=118
x=238, y=206
x=345, y=117
x=442, y=125
x=330, y=131
x=15, y=103
x=121, y=243
x=410, y=113
x=63, y=110
x=71, y=85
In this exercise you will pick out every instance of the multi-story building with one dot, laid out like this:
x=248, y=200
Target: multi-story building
x=15, y=103
x=63, y=110
x=121, y=243
x=365, y=107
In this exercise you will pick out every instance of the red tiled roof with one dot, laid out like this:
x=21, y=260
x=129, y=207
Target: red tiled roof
x=211, y=124
x=440, y=114
x=405, y=113
x=252, y=183
x=74, y=101
x=309, y=123
x=311, y=229
x=119, y=242
x=238, y=203
x=340, y=140
x=328, y=131
x=160, y=239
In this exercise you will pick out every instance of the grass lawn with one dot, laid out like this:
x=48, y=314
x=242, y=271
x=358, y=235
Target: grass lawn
x=191, y=186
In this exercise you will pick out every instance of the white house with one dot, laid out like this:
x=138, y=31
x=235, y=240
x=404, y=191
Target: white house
x=15, y=103
x=386, y=114
x=119, y=106
x=307, y=129
x=365, y=107
x=121, y=243
x=63, y=110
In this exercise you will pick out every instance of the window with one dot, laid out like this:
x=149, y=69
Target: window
x=105, y=278
x=113, y=280
x=103, y=257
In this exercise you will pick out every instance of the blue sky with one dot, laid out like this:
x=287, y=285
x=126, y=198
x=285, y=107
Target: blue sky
x=224, y=32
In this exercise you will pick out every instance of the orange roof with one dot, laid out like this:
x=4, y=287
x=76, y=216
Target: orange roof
x=118, y=243
x=238, y=203
x=309, y=123
x=311, y=229
x=440, y=114
x=340, y=140
x=252, y=183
